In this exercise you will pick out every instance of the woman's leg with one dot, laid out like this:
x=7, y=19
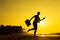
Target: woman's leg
x=30, y=29
x=35, y=28
x=35, y=32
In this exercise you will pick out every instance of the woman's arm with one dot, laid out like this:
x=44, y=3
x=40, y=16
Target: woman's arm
x=42, y=19
x=32, y=18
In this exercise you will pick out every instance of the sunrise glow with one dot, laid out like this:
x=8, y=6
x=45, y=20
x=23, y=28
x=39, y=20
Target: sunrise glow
x=42, y=23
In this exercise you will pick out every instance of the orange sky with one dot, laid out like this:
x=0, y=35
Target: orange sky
x=15, y=12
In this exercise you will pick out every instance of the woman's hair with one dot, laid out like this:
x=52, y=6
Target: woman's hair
x=38, y=13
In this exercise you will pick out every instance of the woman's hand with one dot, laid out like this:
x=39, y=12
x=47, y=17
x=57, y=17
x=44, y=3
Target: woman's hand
x=43, y=18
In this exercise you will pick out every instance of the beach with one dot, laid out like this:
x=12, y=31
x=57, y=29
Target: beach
x=28, y=37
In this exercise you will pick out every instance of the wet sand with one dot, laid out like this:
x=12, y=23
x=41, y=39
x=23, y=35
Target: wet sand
x=27, y=37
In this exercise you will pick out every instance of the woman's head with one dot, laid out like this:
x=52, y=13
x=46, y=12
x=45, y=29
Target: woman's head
x=38, y=13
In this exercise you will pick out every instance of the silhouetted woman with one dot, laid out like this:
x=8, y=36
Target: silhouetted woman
x=36, y=20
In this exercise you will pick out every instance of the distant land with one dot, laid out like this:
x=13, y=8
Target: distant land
x=8, y=29
x=54, y=34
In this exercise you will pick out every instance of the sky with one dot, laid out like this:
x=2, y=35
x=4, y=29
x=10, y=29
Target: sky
x=15, y=12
